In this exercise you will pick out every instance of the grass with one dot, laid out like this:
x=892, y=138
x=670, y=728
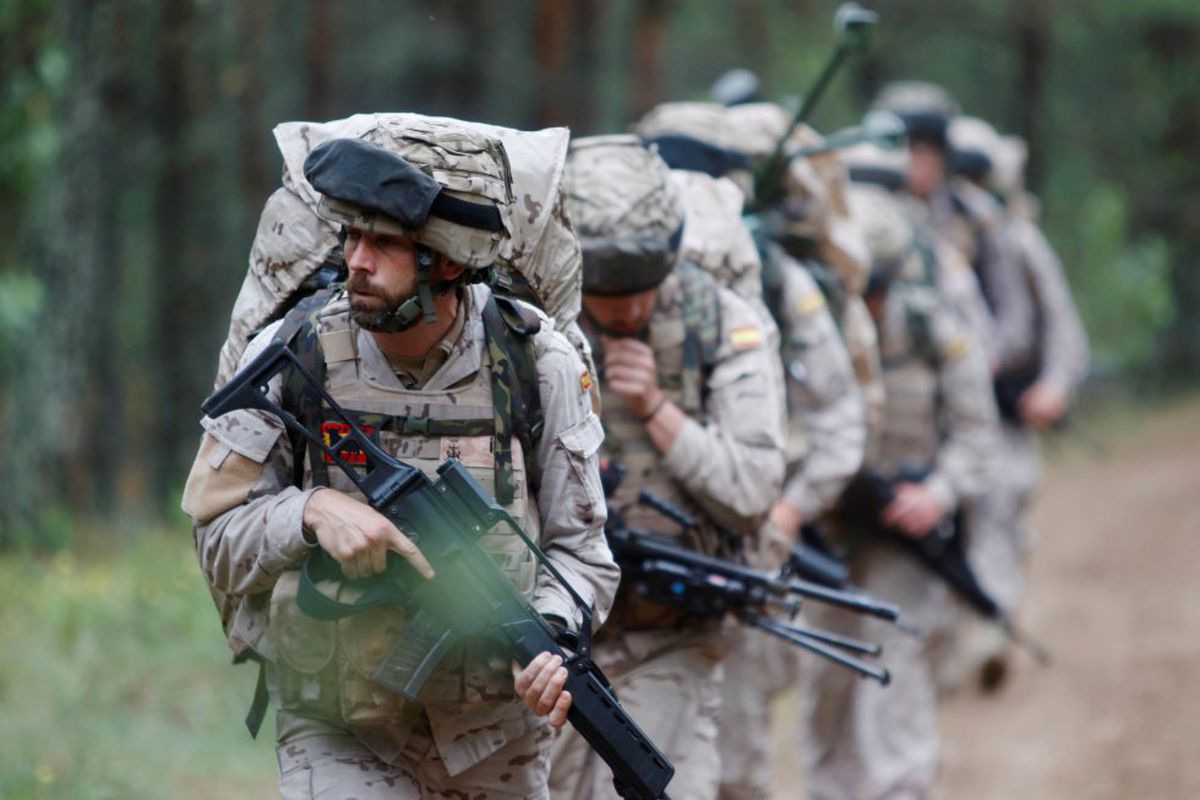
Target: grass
x=115, y=680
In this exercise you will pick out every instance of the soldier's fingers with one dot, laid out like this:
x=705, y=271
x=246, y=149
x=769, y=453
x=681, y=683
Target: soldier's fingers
x=542, y=680
x=558, y=714
x=378, y=559
x=410, y=553
x=522, y=677
x=553, y=689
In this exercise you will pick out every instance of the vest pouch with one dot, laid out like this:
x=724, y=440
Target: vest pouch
x=304, y=649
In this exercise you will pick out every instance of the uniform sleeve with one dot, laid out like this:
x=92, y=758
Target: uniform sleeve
x=732, y=463
x=570, y=499
x=1008, y=297
x=248, y=516
x=960, y=287
x=967, y=415
x=1063, y=345
x=824, y=395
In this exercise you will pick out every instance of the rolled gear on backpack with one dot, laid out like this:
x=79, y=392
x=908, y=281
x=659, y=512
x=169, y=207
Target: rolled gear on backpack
x=293, y=240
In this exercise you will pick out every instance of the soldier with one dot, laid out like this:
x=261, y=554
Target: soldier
x=961, y=214
x=1034, y=384
x=826, y=416
x=690, y=411
x=434, y=366
x=867, y=741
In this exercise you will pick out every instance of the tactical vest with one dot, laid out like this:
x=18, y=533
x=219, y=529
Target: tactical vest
x=912, y=356
x=324, y=668
x=684, y=333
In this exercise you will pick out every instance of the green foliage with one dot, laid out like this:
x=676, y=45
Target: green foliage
x=1124, y=292
x=115, y=680
x=21, y=298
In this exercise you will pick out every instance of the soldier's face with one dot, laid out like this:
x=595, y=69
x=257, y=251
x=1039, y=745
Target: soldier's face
x=621, y=315
x=926, y=169
x=383, y=274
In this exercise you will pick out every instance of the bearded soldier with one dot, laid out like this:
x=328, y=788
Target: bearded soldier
x=433, y=367
x=691, y=412
x=933, y=454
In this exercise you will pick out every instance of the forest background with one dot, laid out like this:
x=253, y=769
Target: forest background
x=136, y=153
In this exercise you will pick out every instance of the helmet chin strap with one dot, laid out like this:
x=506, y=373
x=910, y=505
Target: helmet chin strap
x=420, y=306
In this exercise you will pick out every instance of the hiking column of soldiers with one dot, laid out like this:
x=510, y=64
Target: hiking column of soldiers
x=692, y=411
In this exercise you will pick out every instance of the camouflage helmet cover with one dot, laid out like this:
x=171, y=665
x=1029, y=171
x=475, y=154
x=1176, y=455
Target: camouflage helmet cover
x=625, y=212
x=926, y=108
x=467, y=165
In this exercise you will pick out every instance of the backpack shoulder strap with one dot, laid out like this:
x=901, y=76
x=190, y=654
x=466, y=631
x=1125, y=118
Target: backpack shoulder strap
x=509, y=328
x=702, y=333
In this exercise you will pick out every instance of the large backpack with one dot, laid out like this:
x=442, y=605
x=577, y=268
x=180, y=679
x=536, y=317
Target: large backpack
x=295, y=251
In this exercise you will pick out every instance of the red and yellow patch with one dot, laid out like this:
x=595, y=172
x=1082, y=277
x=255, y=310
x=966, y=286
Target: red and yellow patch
x=745, y=337
x=342, y=430
x=585, y=381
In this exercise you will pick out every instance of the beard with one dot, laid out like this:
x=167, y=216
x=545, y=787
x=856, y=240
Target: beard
x=374, y=310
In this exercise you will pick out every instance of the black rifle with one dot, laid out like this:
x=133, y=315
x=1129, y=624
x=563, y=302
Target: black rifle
x=705, y=587
x=470, y=597
x=942, y=551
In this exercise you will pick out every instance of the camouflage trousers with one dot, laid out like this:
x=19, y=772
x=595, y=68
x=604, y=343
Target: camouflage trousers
x=866, y=741
x=1000, y=524
x=321, y=761
x=758, y=667
x=670, y=684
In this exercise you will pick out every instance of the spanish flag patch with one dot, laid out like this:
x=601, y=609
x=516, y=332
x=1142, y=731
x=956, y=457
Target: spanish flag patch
x=813, y=301
x=745, y=337
x=585, y=381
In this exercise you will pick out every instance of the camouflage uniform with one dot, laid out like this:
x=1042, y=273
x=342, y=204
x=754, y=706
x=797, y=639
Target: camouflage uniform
x=338, y=729
x=865, y=740
x=1051, y=348
x=724, y=468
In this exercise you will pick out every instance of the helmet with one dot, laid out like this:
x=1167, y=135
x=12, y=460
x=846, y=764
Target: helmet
x=442, y=187
x=974, y=148
x=626, y=214
x=926, y=109
x=869, y=163
x=736, y=86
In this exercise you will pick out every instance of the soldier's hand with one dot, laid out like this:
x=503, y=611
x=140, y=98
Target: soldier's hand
x=1042, y=405
x=786, y=518
x=914, y=511
x=540, y=687
x=631, y=372
x=357, y=536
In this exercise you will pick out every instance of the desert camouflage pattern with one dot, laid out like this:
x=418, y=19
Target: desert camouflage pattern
x=625, y=212
x=826, y=439
x=248, y=537
x=866, y=740
x=825, y=407
x=318, y=759
x=293, y=239
x=670, y=684
x=816, y=205
x=726, y=467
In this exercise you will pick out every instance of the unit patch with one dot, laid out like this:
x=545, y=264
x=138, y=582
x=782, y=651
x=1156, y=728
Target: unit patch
x=472, y=451
x=333, y=432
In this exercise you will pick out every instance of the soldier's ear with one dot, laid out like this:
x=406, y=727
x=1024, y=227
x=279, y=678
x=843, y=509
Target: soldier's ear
x=447, y=270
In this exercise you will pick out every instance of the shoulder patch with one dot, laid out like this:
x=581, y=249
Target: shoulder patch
x=957, y=346
x=746, y=337
x=585, y=381
x=810, y=303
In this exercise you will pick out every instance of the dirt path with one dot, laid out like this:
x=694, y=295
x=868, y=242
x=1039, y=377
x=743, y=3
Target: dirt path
x=1115, y=591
